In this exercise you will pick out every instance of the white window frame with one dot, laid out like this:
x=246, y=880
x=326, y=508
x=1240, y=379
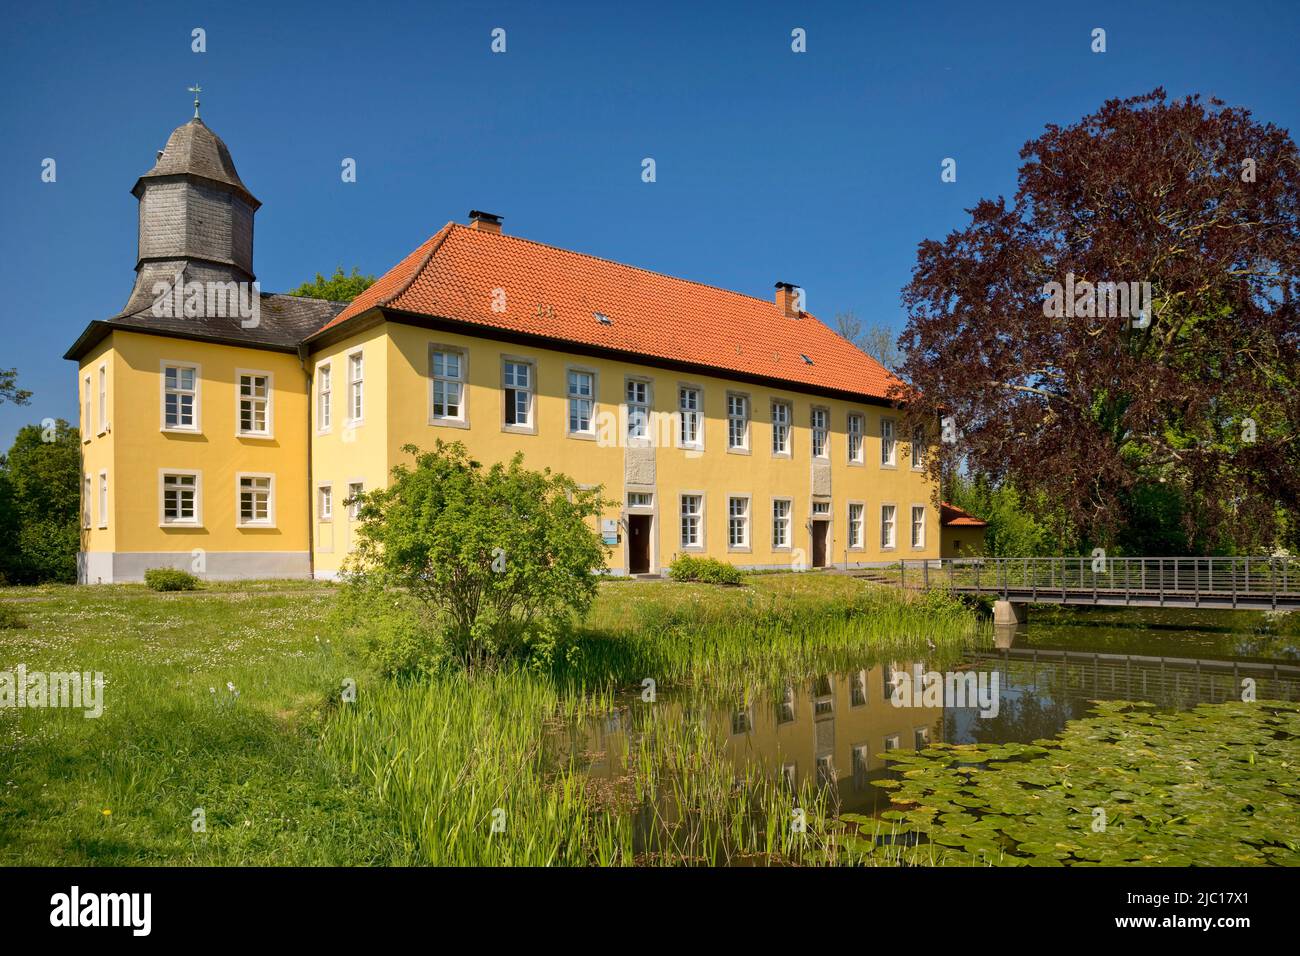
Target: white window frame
x=856, y=437
x=269, y=521
x=354, y=508
x=785, y=426
x=528, y=427
x=102, y=419
x=888, y=443
x=645, y=501
x=638, y=409
x=87, y=423
x=461, y=419
x=574, y=394
x=690, y=416
x=821, y=433
x=698, y=515
x=738, y=423
x=163, y=475
x=324, y=494
x=103, y=497
x=197, y=427
x=744, y=517
x=324, y=397
x=857, y=542
x=917, y=545
x=888, y=542
x=87, y=518
x=356, y=368
x=786, y=522
x=918, y=448
x=240, y=375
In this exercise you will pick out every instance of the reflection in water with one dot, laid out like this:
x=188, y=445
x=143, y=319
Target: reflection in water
x=833, y=730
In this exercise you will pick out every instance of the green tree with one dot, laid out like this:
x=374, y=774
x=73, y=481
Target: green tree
x=500, y=559
x=40, y=504
x=1013, y=531
x=9, y=390
x=340, y=287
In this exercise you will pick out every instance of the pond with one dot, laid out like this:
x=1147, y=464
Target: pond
x=841, y=736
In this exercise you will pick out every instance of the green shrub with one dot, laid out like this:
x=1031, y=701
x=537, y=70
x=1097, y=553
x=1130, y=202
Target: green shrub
x=500, y=559
x=9, y=617
x=170, y=579
x=703, y=570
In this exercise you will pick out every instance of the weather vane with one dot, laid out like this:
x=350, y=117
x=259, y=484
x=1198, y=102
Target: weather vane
x=196, y=90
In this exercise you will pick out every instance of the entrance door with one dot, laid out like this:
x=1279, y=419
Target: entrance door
x=819, y=532
x=638, y=543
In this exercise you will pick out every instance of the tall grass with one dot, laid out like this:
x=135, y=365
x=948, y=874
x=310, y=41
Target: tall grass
x=451, y=754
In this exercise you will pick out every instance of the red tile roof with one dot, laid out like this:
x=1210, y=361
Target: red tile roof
x=556, y=293
x=951, y=516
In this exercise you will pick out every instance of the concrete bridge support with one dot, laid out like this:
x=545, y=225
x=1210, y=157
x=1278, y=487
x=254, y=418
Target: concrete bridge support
x=1010, y=612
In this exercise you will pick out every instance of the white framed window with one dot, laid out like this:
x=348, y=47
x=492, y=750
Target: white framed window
x=640, y=499
x=821, y=509
x=893, y=742
x=180, y=397
x=918, y=526
x=888, y=445
x=738, y=521
x=888, y=516
x=856, y=524
x=356, y=387
x=355, y=489
x=324, y=397
x=325, y=502
x=103, y=399
x=447, y=374
x=782, y=509
x=517, y=388
x=324, y=394
x=855, y=431
x=692, y=521
x=918, y=448
x=254, y=403
x=180, y=497
x=103, y=499
x=636, y=393
x=85, y=501
x=921, y=738
x=256, y=500
x=689, y=406
x=820, y=429
x=581, y=391
x=737, y=421
x=780, y=428
x=87, y=424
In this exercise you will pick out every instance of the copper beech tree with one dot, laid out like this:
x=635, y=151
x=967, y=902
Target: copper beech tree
x=1081, y=392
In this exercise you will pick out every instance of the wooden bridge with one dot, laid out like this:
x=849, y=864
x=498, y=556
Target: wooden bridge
x=1242, y=583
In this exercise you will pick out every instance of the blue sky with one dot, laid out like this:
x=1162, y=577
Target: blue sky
x=819, y=168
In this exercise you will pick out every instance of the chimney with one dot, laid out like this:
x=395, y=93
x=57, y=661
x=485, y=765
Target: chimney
x=788, y=300
x=485, y=221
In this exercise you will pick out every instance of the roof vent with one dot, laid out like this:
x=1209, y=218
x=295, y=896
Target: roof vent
x=602, y=318
x=806, y=359
x=485, y=221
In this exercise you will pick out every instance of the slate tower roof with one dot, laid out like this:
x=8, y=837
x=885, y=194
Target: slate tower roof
x=196, y=221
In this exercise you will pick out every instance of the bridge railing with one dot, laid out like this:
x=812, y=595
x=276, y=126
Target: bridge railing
x=1250, y=579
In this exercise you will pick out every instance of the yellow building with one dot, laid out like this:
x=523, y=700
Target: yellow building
x=224, y=430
